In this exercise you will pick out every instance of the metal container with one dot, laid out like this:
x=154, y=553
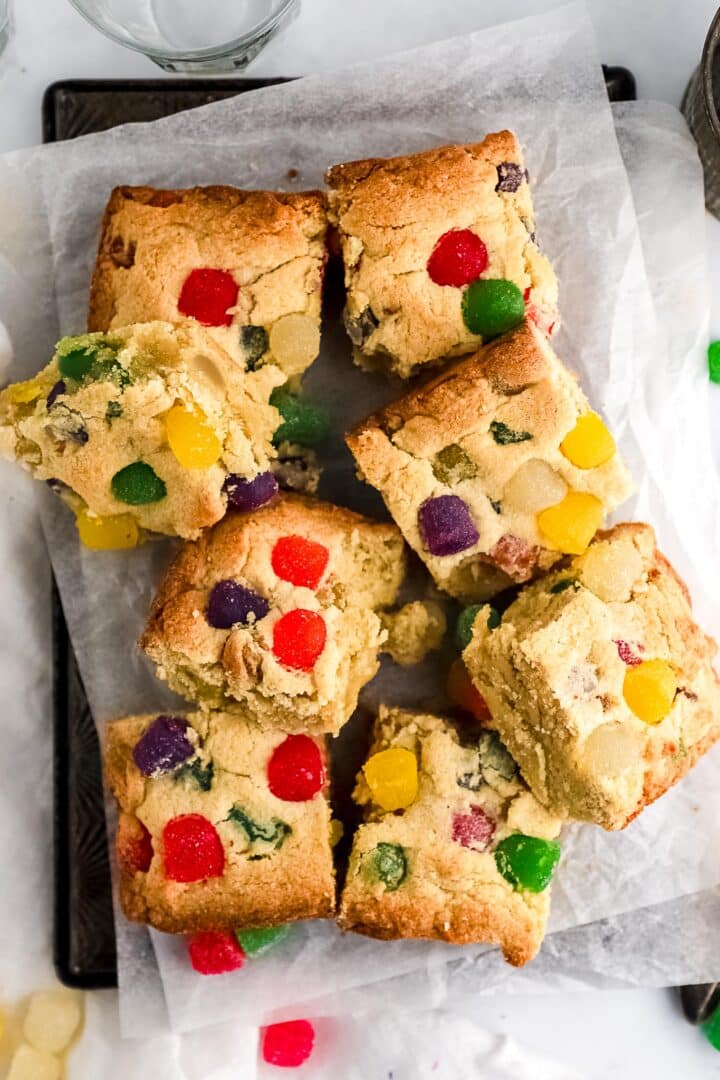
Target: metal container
x=700, y=108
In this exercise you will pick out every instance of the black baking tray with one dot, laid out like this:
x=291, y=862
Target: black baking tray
x=84, y=937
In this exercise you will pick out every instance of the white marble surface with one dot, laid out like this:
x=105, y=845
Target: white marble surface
x=631, y=1034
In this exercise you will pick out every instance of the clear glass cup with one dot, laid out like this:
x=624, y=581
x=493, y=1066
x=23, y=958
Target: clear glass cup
x=194, y=36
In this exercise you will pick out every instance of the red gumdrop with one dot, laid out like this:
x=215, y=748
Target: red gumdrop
x=474, y=830
x=214, y=952
x=299, y=561
x=463, y=693
x=298, y=639
x=627, y=655
x=458, y=258
x=295, y=770
x=526, y=294
x=206, y=296
x=288, y=1045
x=193, y=849
x=134, y=846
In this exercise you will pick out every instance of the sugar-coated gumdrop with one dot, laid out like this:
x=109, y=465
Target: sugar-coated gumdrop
x=571, y=524
x=492, y=306
x=76, y=363
x=388, y=863
x=31, y=1064
x=534, y=486
x=193, y=849
x=392, y=776
x=163, y=746
x=626, y=653
x=464, y=626
x=446, y=526
x=191, y=437
x=206, y=296
x=461, y=692
x=115, y=532
x=458, y=258
x=52, y=1019
x=510, y=176
x=303, y=423
x=134, y=845
x=474, y=829
x=258, y=941
x=610, y=570
x=299, y=638
x=294, y=342
x=452, y=465
x=589, y=444
x=299, y=561
x=137, y=484
x=610, y=749
x=215, y=952
x=22, y=393
x=245, y=494
x=527, y=862
x=231, y=603
x=289, y=1044
x=649, y=690
x=295, y=771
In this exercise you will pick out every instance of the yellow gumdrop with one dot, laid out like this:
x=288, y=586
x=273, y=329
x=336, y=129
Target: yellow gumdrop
x=649, y=690
x=114, y=532
x=294, y=342
x=22, y=393
x=392, y=778
x=192, y=438
x=570, y=525
x=337, y=831
x=589, y=444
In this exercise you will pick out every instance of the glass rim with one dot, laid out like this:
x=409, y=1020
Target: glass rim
x=712, y=42
x=211, y=52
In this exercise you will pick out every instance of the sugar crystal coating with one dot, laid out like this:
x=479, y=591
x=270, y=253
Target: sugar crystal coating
x=250, y=494
x=295, y=771
x=206, y=295
x=299, y=638
x=299, y=561
x=458, y=258
x=289, y=1044
x=446, y=526
x=215, y=952
x=231, y=603
x=163, y=746
x=392, y=776
x=474, y=829
x=192, y=848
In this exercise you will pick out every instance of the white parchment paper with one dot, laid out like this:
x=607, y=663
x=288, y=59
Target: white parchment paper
x=542, y=77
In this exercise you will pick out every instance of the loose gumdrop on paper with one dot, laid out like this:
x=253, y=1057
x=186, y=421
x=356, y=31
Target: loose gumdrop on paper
x=458, y=258
x=163, y=746
x=288, y=1045
x=446, y=526
x=191, y=437
x=255, y=942
x=527, y=862
x=299, y=638
x=31, y=1064
x=649, y=690
x=134, y=845
x=392, y=776
x=114, y=532
x=245, y=494
x=52, y=1019
x=193, y=849
x=231, y=603
x=300, y=561
x=474, y=829
x=215, y=952
x=295, y=771
x=206, y=296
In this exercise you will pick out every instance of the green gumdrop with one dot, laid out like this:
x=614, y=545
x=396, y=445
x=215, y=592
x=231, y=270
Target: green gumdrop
x=138, y=484
x=254, y=942
x=275, y=832
x=711, y=1029
x=388, y=864
x=303, y=423
x=76, y=363
x=527, y=862
x=494, y=619
x=464, y=626
x=451, y=465
x=714, y=361
x=492, y=306
x=563, y=584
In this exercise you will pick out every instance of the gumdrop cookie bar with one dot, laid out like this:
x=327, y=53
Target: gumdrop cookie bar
x=146, y=429
x=454, y=846
x=220, y=825
x=275, y=610
x=599, y=680
x=248, y=265
x=494, y=469
x=440, y=252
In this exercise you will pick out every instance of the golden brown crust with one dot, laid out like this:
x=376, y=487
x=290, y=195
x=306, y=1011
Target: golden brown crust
x=294, y=882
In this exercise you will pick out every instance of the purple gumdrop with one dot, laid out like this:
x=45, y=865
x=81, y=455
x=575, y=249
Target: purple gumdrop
x=510, y=176
x=163, y=747
x=250, y=494
x=58, y=389
x=231, y=603
x=446, y=526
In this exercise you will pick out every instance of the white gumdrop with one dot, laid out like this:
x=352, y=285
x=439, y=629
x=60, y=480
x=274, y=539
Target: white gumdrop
x=52, y=1019
x=31, y=1064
